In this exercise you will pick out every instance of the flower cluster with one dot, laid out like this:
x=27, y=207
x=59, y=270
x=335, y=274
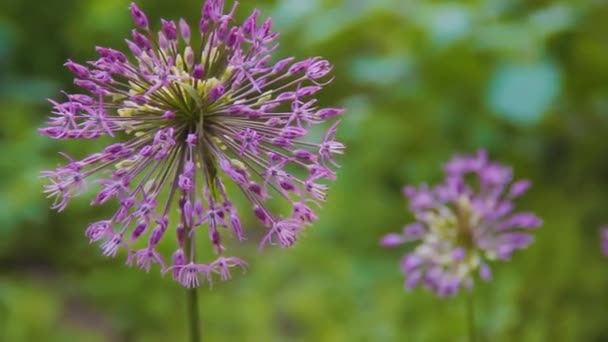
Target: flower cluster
x=189, y=112
x=462, y=223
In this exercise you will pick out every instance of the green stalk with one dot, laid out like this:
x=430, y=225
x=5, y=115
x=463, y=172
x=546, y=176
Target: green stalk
x=194, y=321
x=471, y=317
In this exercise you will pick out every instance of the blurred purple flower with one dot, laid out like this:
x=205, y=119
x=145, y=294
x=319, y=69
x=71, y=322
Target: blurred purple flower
x=604, y=239
x=186, y=118
x=463, y=223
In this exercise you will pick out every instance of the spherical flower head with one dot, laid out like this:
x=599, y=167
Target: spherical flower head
x=185, y=119
x=463, y=223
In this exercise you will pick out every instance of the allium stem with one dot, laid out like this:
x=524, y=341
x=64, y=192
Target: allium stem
x=471, y=317
x=194, y=320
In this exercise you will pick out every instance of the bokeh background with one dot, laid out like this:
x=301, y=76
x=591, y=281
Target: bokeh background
x=528, y=80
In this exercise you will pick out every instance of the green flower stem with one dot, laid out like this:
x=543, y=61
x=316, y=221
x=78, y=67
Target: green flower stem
x=471, y=317
x=193, y=315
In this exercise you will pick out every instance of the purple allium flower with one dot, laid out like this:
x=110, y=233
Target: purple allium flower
x=604, y=239
x=187, y=118
x=463, y=223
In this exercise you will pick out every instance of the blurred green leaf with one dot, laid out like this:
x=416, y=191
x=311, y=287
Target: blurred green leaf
x=524, y=92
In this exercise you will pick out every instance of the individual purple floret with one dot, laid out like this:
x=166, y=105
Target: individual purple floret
x=463, y=223
x=186, y=118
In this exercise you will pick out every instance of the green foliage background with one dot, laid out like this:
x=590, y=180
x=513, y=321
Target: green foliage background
x=528, y=80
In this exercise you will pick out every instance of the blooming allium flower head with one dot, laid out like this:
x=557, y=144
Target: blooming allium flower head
x=462, y=223
x=190, y=109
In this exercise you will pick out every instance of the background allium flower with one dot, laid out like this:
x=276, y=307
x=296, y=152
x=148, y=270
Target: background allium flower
x=188, y=117
x=604, y=239
x=462, y=223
